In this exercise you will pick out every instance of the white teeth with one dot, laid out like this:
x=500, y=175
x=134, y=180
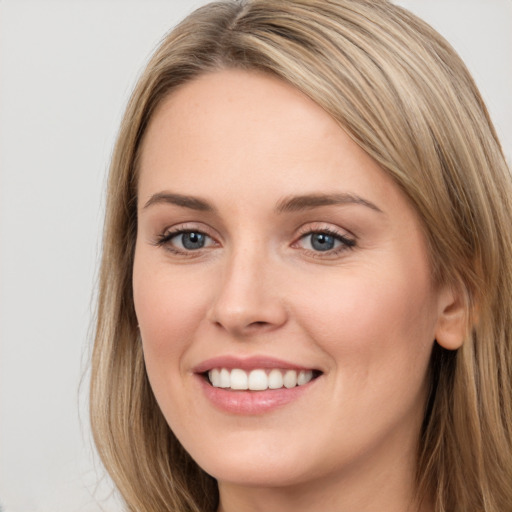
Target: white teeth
x=239, y=379
x=275, y=379
x=258, y=379
x=290, y=379
x=214, y=376
x=225, y=378
x=304, y=377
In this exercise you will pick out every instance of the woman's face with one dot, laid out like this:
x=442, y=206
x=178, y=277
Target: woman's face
x=272, y=249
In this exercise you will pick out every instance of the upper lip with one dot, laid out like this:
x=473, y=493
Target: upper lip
x=247, y=363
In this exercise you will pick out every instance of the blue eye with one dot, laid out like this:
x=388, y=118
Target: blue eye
x=326, y=241
x=183, y=241
x=322, y=241
x=192, y=240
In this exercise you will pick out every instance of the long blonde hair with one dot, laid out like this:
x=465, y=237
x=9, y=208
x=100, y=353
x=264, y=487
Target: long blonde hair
x=400, y=91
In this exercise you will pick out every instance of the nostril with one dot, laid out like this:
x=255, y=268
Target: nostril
x=246, y=314
x=258, y=327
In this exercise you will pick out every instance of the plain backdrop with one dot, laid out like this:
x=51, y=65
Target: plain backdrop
x=66, y=70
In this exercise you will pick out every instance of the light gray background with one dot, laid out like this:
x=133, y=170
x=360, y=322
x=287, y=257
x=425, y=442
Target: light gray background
x=66, y=70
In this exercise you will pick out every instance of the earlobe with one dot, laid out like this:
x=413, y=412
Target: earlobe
x=452, y=319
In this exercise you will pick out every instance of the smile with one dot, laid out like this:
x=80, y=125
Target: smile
x=259, y=379
x=253, y=385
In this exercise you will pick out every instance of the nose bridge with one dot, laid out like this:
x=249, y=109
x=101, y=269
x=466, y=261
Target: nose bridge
x=247, y=298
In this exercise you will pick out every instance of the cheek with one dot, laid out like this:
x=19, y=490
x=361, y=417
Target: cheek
x=169, y=308
x=394, y=306
x=375, y=324
x=378, y=333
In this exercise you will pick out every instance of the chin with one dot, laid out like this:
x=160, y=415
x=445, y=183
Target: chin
x=262, y=458
x=257, y=472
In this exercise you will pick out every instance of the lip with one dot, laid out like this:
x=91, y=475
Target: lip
x=249, y=403
x=247, y=364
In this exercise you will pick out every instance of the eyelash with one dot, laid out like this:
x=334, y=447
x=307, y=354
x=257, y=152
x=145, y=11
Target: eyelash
x=165, y=238
x=346, y=243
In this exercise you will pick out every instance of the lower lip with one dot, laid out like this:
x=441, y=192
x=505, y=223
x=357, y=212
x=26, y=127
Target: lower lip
x=251, y=402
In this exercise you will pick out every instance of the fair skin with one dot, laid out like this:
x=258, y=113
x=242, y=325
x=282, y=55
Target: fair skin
x=340, y=286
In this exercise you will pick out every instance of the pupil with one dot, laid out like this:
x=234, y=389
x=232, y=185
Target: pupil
x=322, y=242
x=192, y=240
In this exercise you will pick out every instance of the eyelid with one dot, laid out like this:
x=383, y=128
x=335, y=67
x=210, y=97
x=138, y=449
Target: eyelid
x=164, y=237
x=348, y=241
x=323, y=227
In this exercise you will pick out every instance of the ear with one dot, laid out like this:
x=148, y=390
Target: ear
x=452, y=318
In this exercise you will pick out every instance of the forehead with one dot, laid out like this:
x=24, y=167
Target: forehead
x=231, y=125
x=229, y=110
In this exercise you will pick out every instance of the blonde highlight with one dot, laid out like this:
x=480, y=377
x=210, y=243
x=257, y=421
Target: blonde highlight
x=400, y=91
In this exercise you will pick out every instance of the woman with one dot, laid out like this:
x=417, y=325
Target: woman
x=305, y=287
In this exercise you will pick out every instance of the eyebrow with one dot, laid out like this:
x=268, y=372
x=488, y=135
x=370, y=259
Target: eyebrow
x=286, y=205
x=310, y=201
x=193, y=203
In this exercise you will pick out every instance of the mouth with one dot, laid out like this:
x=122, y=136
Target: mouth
x=254, y=385
x=259, y=379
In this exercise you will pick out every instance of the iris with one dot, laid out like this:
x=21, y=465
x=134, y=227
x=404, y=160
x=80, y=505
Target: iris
x=193, y=240
x=322, y=241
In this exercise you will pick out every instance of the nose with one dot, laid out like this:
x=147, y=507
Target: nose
x=249, y=298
